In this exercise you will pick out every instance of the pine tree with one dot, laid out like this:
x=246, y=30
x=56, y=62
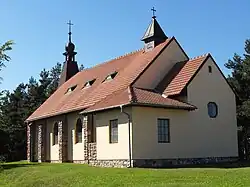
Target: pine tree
x=240, y=80
x=54, y=75
x=15, y=107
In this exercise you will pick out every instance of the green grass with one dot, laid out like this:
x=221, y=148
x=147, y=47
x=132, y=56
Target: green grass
x=23, y=174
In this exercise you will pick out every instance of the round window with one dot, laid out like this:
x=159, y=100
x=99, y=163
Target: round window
x=212, y=109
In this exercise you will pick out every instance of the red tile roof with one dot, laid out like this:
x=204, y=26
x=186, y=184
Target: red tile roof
x=138, y=96
x=184, y=75
x=147, y=97
x=122, y=97
x=129, y=67
x=109, y=94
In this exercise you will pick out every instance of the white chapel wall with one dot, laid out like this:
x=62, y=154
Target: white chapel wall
x=218, y=134
x=52, y=151
x=75, y=150
x=106, y=150
x=192, y=134
x=161, y=66
x=145, y=134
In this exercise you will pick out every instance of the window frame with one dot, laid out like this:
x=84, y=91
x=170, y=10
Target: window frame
x=71, y=89
x=55, y=135
x=111, y=139
x=216, y=108
x=167, y=134
x=210, y=69
x=77, y=138
x=110, y=76
x=89, y=83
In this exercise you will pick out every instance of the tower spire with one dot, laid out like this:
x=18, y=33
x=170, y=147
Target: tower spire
x=154, y=34
x=70, y=67
x=70, y=48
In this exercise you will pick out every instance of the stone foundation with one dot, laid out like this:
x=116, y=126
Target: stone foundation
x=41, y=143
x=182, y=161
x=110, y=163
x=85, y=136
x=104, y=163
x=31, y=138
x=55, y=161
x=92, y=152
x=155, y=163
x=63, y=140
x=80, y=161
x=29, y=143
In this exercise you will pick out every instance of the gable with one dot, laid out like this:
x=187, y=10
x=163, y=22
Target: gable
x=172, y=54
x=209, y=79
x=186, y=72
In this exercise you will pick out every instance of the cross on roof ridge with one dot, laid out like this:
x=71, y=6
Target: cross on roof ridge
x=153, y=11
x=70, y=24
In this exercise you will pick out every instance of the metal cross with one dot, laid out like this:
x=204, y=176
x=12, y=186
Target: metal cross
x=153, y=10
x=70, y=24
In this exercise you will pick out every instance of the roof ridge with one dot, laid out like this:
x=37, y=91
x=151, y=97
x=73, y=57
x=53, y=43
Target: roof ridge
x=116, y=58
x=127, y=54
x=145, y=89
x=200, y=56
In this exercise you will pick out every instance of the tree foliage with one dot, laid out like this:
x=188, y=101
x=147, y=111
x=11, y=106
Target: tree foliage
x=81, y=67
x=16, y=106
x=7, y=46
x=240, y=80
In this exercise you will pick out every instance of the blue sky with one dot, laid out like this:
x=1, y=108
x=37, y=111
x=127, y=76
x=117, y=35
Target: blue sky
x=105, y=29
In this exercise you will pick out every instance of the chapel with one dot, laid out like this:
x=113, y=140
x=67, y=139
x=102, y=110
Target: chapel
x=153, y=107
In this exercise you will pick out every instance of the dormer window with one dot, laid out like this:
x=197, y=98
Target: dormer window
x=110, y=76
x=71, y=89
x=89, y=83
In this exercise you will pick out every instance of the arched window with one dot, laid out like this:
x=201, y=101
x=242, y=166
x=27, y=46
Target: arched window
x=212, y=109
x=78, y=131
x=55, y=134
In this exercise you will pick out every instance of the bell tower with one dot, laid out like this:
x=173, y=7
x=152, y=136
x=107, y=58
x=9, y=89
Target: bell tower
x=154, y=34
x=70, y=67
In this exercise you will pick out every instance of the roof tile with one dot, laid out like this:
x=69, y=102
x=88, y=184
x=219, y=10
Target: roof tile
x=137, y=96
x=142, y=96
x=184, y=75
x=128, y=67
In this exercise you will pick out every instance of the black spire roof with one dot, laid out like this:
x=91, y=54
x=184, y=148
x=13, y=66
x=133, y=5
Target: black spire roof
x=154, y=32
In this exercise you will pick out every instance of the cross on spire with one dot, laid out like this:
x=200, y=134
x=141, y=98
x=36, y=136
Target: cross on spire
x=70, y=24
x=153, y=11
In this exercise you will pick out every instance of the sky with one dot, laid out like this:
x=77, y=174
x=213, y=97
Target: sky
x=103, y=30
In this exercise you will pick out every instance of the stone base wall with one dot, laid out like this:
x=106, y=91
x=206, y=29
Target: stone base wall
x=154, y=163
x=29, y=159
x=182, y=161
x=80, y=161
x=55, y=161
x=104, y=163
x=63, y=140
x=110, y=163
x=92, y=152
x=41, y=142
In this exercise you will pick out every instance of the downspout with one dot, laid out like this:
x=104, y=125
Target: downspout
x=129, y=137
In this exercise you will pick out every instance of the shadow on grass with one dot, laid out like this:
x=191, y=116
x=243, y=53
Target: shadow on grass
x=6, y=166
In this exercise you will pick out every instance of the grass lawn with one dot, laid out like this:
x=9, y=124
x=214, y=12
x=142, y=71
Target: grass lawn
x=46, y=174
